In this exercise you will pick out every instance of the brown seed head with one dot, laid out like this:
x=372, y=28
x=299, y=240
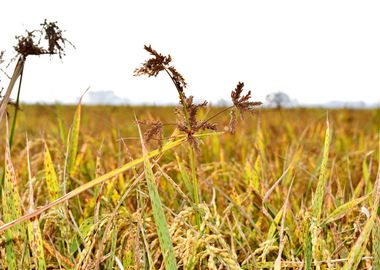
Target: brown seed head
x=30, y=44
x=243, y=103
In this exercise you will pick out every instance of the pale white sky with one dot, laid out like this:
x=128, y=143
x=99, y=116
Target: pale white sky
x=315, y=51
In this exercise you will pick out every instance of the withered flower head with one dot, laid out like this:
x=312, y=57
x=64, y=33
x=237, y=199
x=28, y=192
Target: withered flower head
x=26, y=45
x=154, y=65
x=243, y=103
x=192, y=125
x=154, y=131
x=158, y=63
x=30, y=44
x=53, y=34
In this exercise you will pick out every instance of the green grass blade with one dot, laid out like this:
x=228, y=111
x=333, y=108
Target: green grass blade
x=111, y=260
x=185, y=176
x=158, y=213
x=273, y=227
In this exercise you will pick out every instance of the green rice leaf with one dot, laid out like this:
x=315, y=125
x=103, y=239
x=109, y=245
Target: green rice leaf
x=158, y=213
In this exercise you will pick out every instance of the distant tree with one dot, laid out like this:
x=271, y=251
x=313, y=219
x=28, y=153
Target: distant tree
x=222, y=103
x=278, y=100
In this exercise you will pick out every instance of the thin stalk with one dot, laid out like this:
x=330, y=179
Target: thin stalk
x=219, y=113
x=4, y=102
x=16, y=110
x=192, y=153
x=195, y=185
x=182, y=99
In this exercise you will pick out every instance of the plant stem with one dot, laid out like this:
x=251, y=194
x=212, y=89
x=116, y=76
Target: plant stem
x=16, y=110
x=182, y=99
x=192, y=153
x=18, y=72
x=219, y=113
x=195, y=185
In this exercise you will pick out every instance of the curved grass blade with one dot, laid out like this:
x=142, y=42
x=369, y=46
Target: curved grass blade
x=342, y=210
x=158, y=212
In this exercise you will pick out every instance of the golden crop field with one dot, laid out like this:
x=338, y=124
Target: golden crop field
x=258, y=191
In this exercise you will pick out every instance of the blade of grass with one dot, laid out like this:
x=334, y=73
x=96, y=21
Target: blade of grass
x=158, y=212
x=184, y=176
x=111, y=259
x=343, y=210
